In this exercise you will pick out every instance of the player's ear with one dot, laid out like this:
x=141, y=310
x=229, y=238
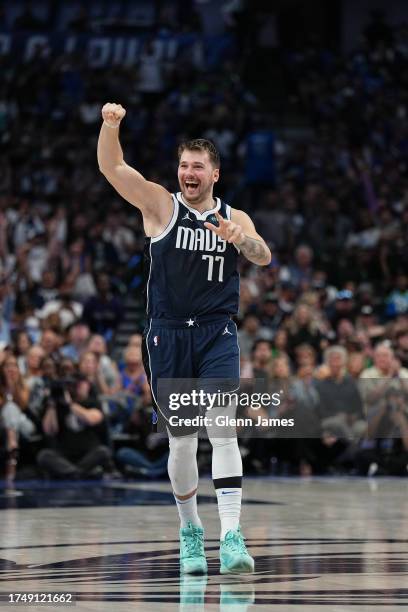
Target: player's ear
x=216, y=175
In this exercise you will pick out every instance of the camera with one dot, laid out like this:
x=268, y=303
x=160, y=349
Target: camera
x=58, y=388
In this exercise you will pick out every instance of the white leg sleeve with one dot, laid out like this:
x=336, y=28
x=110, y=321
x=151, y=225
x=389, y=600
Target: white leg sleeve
x=182, y=464
x=226, y=457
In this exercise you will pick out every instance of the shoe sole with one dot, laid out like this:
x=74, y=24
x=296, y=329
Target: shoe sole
x=242, y=568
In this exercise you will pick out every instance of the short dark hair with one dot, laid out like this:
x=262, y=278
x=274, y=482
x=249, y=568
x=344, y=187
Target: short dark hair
x=201, y=144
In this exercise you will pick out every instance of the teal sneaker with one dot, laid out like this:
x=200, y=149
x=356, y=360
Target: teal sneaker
x=234, y=556
x=192, y=556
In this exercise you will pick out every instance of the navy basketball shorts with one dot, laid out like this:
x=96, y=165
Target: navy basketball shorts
x=175, y=352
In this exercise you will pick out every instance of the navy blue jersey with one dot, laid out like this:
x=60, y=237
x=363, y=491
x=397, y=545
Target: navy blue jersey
x=190, y=270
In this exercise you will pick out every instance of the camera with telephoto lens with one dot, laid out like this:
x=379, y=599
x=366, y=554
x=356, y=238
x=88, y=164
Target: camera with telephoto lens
x=58, y=389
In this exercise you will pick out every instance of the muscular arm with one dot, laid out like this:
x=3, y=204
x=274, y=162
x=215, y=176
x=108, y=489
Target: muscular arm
x=152, y=199
x=256, y=251
x=253, y=247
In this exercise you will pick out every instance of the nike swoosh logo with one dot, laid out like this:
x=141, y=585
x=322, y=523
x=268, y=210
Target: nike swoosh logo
x=228, y=492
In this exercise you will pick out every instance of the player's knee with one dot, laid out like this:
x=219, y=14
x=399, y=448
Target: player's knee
x=221, y=442
x=183, y=446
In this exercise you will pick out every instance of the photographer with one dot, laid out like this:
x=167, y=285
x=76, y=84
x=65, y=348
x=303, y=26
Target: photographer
x=73, y=422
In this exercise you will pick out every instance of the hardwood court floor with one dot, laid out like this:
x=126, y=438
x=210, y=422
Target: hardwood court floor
x=319, y=544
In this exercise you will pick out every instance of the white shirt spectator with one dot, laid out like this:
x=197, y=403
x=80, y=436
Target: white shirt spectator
x=68, y=313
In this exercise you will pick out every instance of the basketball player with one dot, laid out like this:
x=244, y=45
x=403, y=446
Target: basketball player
x=193, y=241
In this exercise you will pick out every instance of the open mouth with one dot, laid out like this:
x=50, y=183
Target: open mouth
x=191, y=186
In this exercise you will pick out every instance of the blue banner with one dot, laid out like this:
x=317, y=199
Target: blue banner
x=110, y=50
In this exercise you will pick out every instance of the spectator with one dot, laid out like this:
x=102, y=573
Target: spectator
x=12, y=386
x=397, y=301
x=303, y=330
x=108, y=371
x=271, y=316
x=88, y=367
x=281, y=371
x=248, y=334
x=345, y=331
x=133, y=375
x=304, y=404
x=47, y=288
x=22, y=346
x=68, y=311
x=384, y=375
x=50, y=342
x=304, y=395
x=76, y=269
x=68, y=368
x=135, y=341
x=35, y=381
x=262, y=360
x=33, y=370
x=305, y=355
x=300, y=273
x=125, y=407
x=343, y=308
x=385, y=365
x=280, y=342
x=367, y=321
x=355, y=364
x=341, y=408
x=78, y=338
x=16, y=421
x=103, y=312
x=76, y=447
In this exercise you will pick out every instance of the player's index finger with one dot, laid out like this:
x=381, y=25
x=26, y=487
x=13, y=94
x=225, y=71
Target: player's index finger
x=212, y=227
x=220, y=219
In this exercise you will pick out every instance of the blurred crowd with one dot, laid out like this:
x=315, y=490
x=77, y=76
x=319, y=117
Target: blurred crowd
x=329, y=314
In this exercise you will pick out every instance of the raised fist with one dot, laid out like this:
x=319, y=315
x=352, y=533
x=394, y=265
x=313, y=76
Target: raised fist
x=113, y=114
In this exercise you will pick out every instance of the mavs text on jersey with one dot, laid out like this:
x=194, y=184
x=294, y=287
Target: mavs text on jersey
x=190, y=270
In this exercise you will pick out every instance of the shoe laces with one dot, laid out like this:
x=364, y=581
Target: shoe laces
x=193, y=542
x=235, y=542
